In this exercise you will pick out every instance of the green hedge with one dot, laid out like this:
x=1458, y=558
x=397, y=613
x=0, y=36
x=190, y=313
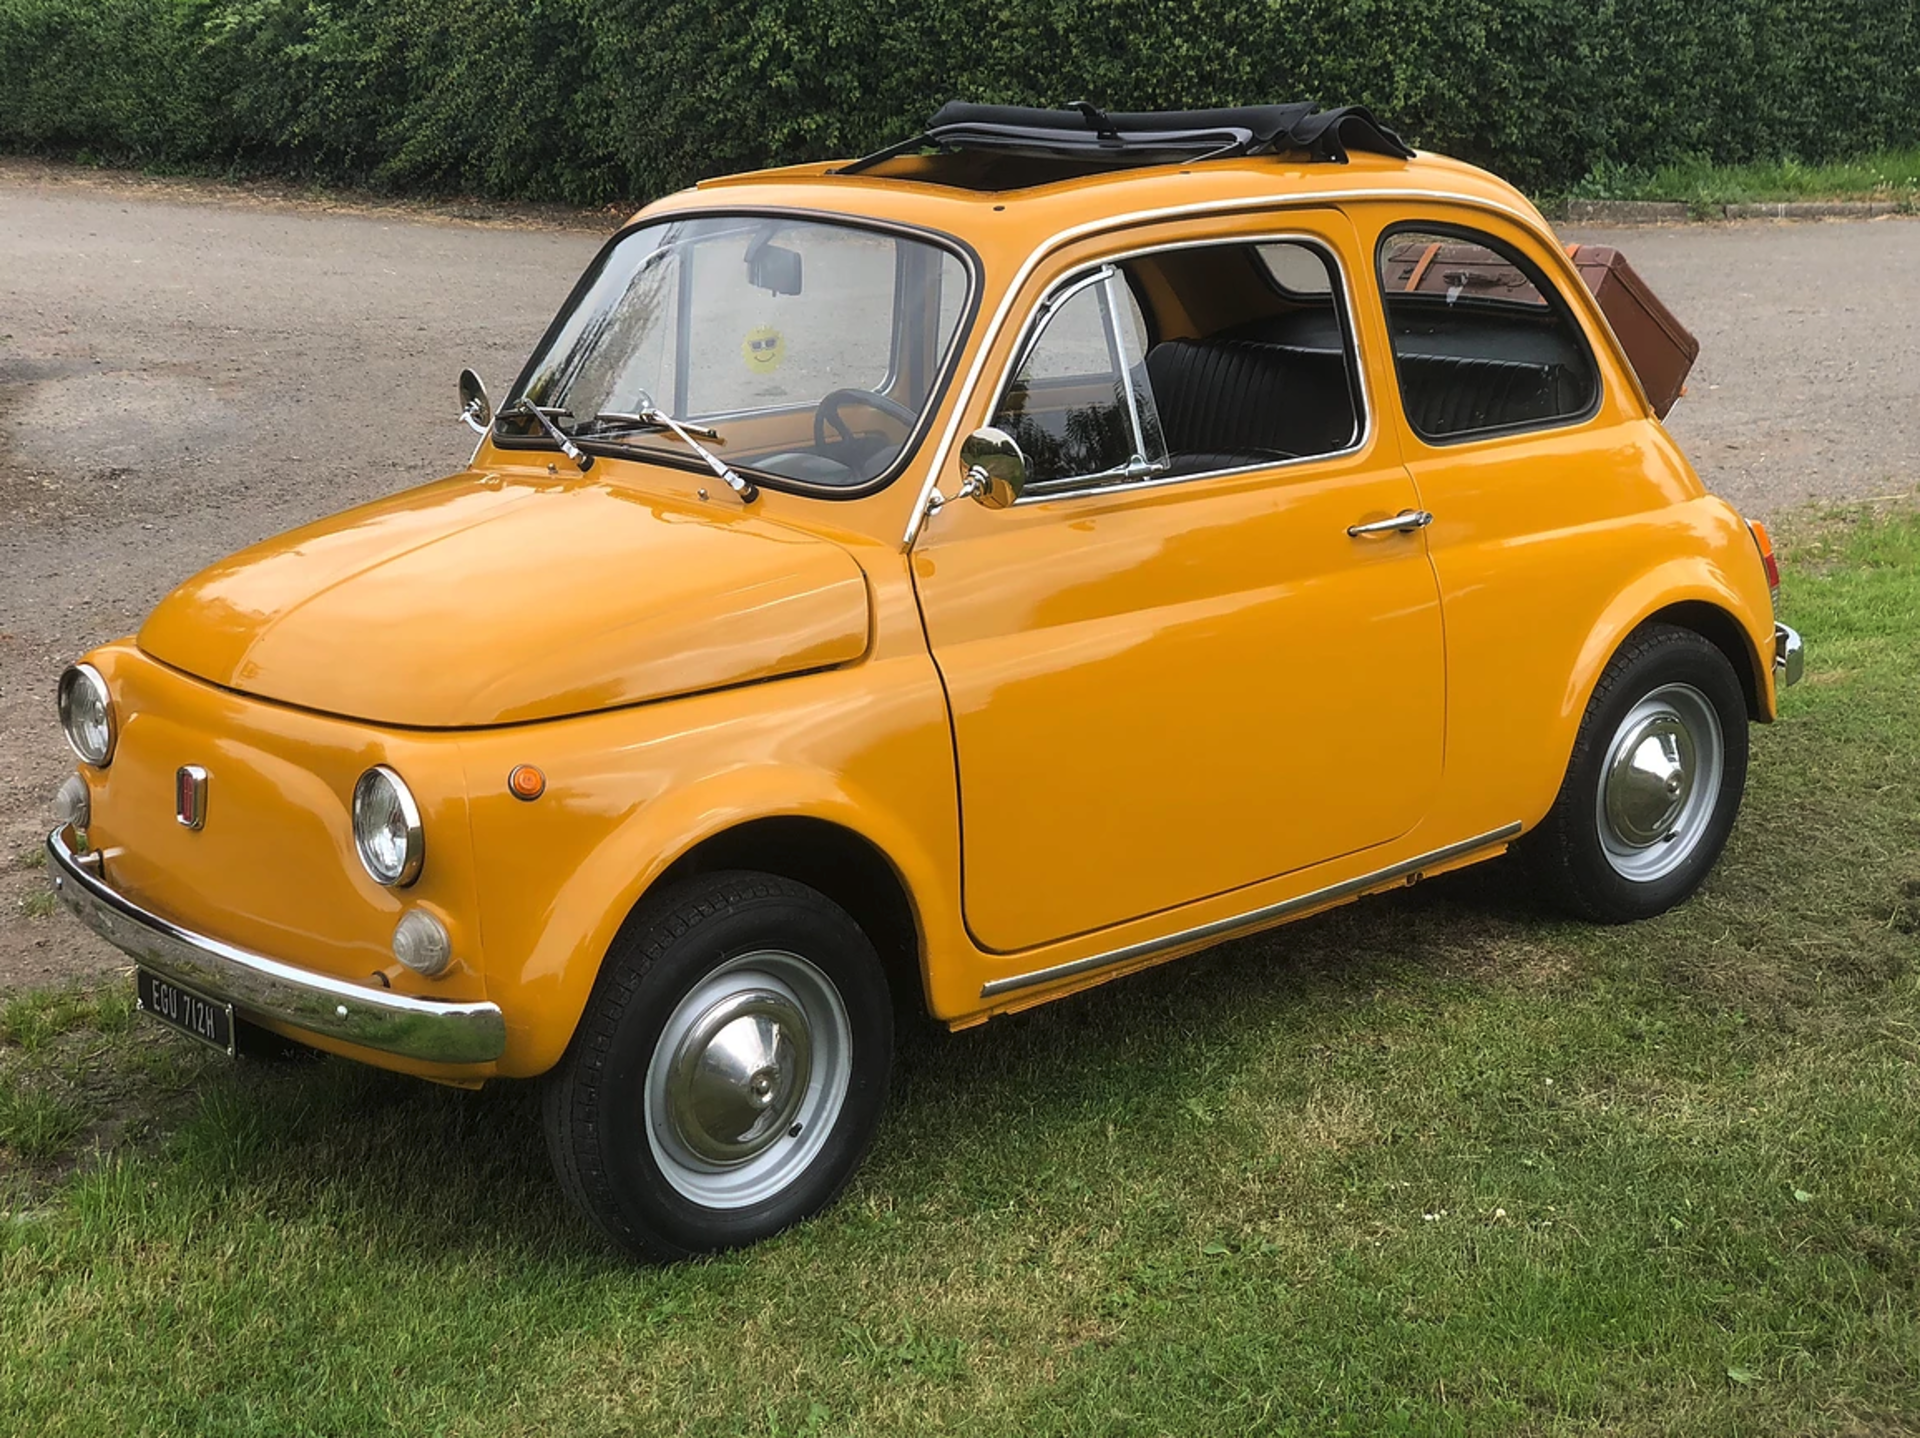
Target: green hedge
x=591, y=101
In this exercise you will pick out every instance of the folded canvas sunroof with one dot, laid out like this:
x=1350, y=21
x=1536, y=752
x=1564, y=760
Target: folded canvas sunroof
x=1006, y=147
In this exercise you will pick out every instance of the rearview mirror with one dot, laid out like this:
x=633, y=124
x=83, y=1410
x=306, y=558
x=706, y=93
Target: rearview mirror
x=995, y=469
x=772, y=268
x=476, y=410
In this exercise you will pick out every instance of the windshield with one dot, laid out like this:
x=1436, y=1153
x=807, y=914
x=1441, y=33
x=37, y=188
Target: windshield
x=807, y=349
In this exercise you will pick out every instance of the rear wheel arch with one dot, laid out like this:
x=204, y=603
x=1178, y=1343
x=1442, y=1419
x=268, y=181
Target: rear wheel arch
x=1724, y=632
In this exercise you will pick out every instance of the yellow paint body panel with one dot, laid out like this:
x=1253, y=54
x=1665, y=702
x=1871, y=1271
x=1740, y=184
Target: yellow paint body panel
x=1074, y=728
x=520, y=598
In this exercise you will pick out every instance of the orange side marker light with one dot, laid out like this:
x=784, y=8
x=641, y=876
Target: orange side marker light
x=526, y=782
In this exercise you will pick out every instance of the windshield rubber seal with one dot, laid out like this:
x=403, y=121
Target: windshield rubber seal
x=936, y=394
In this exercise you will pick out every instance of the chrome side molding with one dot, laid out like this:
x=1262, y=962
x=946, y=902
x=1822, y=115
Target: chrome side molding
x=1253, y=919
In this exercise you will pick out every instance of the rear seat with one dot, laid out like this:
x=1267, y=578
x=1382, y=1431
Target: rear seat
x=1227, y=403
x=1452, y=394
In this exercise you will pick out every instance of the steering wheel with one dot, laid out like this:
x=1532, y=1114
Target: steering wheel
x=828, y=414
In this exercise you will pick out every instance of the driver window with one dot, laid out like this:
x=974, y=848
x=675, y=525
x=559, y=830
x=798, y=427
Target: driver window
x=1079, y=406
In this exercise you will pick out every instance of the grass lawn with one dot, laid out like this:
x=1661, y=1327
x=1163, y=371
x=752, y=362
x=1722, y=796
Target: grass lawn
x=1882, y=175
x=1440, y=1163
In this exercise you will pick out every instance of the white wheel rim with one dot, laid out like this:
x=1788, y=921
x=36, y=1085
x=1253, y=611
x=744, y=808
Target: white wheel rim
x=1660, y=783
x=747, y=1079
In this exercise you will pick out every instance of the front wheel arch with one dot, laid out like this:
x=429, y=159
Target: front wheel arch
x=845, y=866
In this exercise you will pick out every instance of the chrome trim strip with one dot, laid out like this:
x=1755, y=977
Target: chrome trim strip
x=938, y=456
x=1224, y=928
x=423, y=1029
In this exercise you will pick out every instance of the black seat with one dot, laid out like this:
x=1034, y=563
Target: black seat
x=1456, y=394
x=1226, y=403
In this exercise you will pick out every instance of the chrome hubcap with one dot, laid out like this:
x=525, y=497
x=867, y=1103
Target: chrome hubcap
x=747, y=1079
x=1660, y=783
x=738, y=1075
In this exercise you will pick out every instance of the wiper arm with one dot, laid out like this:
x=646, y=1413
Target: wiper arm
x=526, y=409
x=613, y=421
x=650, y=416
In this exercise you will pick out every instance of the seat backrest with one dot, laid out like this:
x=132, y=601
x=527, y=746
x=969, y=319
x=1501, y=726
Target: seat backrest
x=1454, y=394
x=1225, y=396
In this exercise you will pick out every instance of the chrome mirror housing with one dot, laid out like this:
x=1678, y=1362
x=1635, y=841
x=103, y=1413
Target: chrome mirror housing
x=476, y=410
x=995, y=469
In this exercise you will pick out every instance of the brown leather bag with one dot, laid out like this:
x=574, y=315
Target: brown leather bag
x=1660, y=348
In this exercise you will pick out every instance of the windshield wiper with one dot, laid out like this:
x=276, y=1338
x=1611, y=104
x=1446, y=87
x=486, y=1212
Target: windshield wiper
x=525, y=409
x=647, y=415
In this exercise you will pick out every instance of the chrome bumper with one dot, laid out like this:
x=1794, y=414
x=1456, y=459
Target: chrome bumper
x=259, y=987
x=1789, y=656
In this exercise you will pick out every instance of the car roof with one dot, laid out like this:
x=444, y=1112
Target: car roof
x=1020, y=216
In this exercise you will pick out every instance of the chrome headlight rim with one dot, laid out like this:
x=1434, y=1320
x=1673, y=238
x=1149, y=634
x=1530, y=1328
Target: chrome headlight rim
x=79, y=679
x=415, y=853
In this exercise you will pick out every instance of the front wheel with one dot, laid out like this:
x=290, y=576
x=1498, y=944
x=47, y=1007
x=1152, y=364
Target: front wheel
x=728, y=1073
x=1656, y=778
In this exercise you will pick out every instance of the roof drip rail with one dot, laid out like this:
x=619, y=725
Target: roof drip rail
x=1087, y=134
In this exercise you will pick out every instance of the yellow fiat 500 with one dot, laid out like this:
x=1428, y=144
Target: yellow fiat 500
x=940, y=583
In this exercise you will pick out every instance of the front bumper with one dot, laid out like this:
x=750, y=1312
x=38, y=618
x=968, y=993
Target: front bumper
x=1789, y=656
x=264, y=988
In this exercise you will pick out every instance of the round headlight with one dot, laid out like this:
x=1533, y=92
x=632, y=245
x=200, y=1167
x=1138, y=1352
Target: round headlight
x=86, y=713
x=386, y=828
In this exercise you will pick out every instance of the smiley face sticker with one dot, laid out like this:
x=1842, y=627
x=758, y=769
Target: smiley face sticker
x=763, y=349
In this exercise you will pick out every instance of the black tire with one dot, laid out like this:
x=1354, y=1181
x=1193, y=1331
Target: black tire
x=714, y=930
x=1583, y=859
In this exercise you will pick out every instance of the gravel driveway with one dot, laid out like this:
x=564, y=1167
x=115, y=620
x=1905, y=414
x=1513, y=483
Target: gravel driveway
x=186, y=369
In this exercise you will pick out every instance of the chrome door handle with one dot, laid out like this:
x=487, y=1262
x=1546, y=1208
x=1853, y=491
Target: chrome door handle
x=1405, y=522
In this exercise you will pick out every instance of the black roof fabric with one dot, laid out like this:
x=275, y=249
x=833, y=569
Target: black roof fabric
x=1149, y=137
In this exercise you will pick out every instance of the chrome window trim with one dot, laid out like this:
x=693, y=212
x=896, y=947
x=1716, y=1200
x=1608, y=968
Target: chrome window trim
x=1253, y=918
x=1105, y=279
x=1110, y=306
x=938, y=459
x=1363, y=432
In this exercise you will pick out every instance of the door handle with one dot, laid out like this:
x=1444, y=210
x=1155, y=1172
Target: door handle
x=1405, y=522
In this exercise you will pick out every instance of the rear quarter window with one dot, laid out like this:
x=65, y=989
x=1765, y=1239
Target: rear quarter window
x=1482, y=342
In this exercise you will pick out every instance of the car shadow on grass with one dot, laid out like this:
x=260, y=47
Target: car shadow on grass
x=412, y=1167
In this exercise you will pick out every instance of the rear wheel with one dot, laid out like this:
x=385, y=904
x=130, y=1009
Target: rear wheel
x=1656, y=778
x=727, y=1076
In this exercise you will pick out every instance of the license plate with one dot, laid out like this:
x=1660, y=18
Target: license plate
x=208, y=1020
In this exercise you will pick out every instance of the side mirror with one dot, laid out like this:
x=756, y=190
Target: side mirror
x=476, y=410
x=995, y=469
x=772, y=268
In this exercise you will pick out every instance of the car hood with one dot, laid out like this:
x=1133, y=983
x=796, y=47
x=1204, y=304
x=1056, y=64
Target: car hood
x=481, y=600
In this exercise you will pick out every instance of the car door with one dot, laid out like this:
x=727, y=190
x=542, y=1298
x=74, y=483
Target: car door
x=1172, y=670
x=1552, y=490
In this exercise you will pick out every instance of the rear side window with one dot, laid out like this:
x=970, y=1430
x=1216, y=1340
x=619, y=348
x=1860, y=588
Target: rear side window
x=1482, y=342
